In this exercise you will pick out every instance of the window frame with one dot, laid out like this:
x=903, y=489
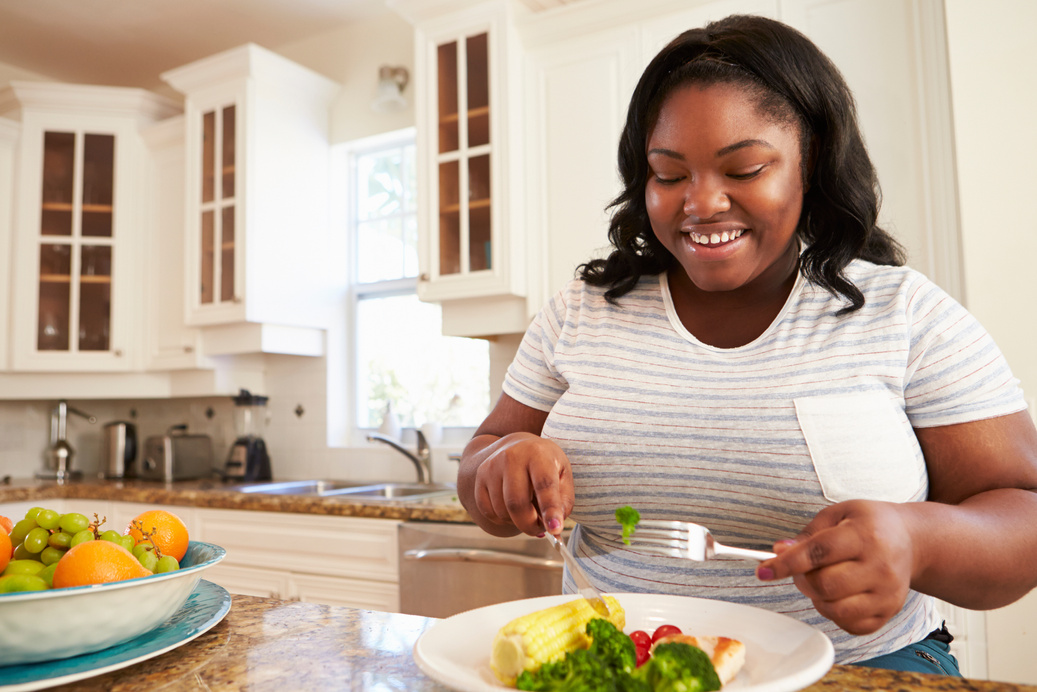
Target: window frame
x=342, y=349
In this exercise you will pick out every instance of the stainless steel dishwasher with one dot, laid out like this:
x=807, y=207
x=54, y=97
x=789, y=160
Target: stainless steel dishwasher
x=447, y=568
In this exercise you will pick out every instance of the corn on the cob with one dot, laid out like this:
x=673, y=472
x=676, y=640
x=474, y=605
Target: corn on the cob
x=529, y=641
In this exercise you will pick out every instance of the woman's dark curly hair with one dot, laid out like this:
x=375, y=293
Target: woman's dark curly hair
x=792, y=81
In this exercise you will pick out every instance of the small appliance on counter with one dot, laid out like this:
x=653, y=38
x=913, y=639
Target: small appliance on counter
x=248, y=459
x=176, y=456
x=58, y=461
x=120, y=450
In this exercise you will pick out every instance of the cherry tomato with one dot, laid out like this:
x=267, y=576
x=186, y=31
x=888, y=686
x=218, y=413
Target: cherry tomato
x=663, y=631
x=642, y=654
x=641, y=639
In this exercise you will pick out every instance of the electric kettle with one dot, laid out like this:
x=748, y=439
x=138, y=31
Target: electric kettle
x=120, y=450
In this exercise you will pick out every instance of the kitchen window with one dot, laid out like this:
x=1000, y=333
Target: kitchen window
x=395, y=348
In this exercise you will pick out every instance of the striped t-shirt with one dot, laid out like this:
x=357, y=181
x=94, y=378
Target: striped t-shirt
x=753, y=441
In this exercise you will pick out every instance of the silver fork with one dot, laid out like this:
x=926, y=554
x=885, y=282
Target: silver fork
x=686, y=540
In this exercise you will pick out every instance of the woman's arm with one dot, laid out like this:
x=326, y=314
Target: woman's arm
x=507, y=466
x=973, y=543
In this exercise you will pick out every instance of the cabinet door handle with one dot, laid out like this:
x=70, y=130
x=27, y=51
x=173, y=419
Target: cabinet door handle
x=117, y=353
x=487, y=557
x=423, y=276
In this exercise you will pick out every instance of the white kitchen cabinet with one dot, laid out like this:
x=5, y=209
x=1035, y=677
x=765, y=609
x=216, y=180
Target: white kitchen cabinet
x=9, y=131
x=257, y=161
x=170, y=344
x=77, y=230
x=322, y=559
x=472, y=242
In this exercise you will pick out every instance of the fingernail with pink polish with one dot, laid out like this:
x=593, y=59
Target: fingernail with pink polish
x=765, y=573
x=553, y=523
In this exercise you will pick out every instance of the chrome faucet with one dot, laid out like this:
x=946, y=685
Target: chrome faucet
x=59, y=456
x=422, y=460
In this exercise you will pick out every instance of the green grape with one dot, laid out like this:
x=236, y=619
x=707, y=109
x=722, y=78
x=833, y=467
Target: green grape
x=21, y=530
x=126, y=541
x=60, y=539
x=20, y=553
x=82, y=537
x=48, y=519
x=50, y=555
x=73, y=522
x=111, y=535
x=47, y=574
x=141, y=548
x=149, y=560
x=36, y=540
x=23, y=567
x=22, y=582
x=33, y=513
x=166, y=563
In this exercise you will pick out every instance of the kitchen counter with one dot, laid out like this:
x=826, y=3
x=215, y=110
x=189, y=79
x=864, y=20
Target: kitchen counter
x=215, y=494
x=267, y=644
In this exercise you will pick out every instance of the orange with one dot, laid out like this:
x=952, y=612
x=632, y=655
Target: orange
x=6, y=524
x=6, y=549
x=96, y=562
x=164, y=529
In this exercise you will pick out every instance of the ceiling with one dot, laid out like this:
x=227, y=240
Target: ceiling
x=131, y=42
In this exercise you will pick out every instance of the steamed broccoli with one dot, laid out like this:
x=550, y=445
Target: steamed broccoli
x=609, y=666
x=604, y=667
x=678, y=667
x=627, y=518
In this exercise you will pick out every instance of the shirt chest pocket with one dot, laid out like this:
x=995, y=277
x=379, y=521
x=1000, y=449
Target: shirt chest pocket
x=862, y=447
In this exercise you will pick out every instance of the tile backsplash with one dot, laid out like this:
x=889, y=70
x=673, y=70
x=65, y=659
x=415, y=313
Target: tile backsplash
x=296, y=435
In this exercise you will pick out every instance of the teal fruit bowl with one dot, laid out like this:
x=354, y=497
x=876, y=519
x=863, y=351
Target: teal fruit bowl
x=59, y=623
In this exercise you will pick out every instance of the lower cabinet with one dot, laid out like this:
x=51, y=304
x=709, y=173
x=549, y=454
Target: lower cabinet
x=342, y=561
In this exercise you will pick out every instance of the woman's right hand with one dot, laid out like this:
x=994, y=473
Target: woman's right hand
x=513, y=476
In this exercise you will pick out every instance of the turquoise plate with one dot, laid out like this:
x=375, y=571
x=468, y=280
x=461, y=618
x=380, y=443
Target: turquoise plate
x=205, y=607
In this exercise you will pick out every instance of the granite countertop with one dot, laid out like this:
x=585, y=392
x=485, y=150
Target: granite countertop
x=267, y=644
x=219, y=495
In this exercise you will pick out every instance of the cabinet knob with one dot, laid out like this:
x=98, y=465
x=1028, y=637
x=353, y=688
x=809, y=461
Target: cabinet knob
x=423, y=277
x=188, y=349
x=117, y=353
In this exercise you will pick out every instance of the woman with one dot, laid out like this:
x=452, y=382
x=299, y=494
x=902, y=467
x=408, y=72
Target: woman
x=752, y=357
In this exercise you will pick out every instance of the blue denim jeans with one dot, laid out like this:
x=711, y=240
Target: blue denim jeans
x=932, y=655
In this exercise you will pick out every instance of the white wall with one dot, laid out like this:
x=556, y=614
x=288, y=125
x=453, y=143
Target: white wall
x=993, y=78
x=351, y=55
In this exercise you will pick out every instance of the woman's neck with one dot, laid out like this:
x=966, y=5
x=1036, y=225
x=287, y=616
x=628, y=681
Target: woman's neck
x=728, y=319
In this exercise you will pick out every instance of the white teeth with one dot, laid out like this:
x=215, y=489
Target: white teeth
x=716, y=238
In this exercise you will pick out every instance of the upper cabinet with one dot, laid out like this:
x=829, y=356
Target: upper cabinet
x=471, y=175
x=257, y=160
x=78, y=225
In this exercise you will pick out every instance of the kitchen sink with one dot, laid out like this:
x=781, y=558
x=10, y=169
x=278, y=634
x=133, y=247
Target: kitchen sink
x=317, y=487
x=353, y=490
x=397, y=491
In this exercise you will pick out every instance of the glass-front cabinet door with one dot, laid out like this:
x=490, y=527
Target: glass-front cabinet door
x=74, y=308
x=82, y=180
x=465, y=240
x=217, y=207
x=469, y=151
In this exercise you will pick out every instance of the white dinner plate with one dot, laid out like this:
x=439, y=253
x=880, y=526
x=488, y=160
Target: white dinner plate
x=781, y=655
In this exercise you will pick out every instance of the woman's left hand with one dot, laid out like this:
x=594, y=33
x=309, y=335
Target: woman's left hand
x=854, y=560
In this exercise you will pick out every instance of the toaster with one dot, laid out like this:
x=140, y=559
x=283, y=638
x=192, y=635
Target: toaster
x=176, y=456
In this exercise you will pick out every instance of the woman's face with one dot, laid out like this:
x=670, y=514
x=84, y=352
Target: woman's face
x=725, y=188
